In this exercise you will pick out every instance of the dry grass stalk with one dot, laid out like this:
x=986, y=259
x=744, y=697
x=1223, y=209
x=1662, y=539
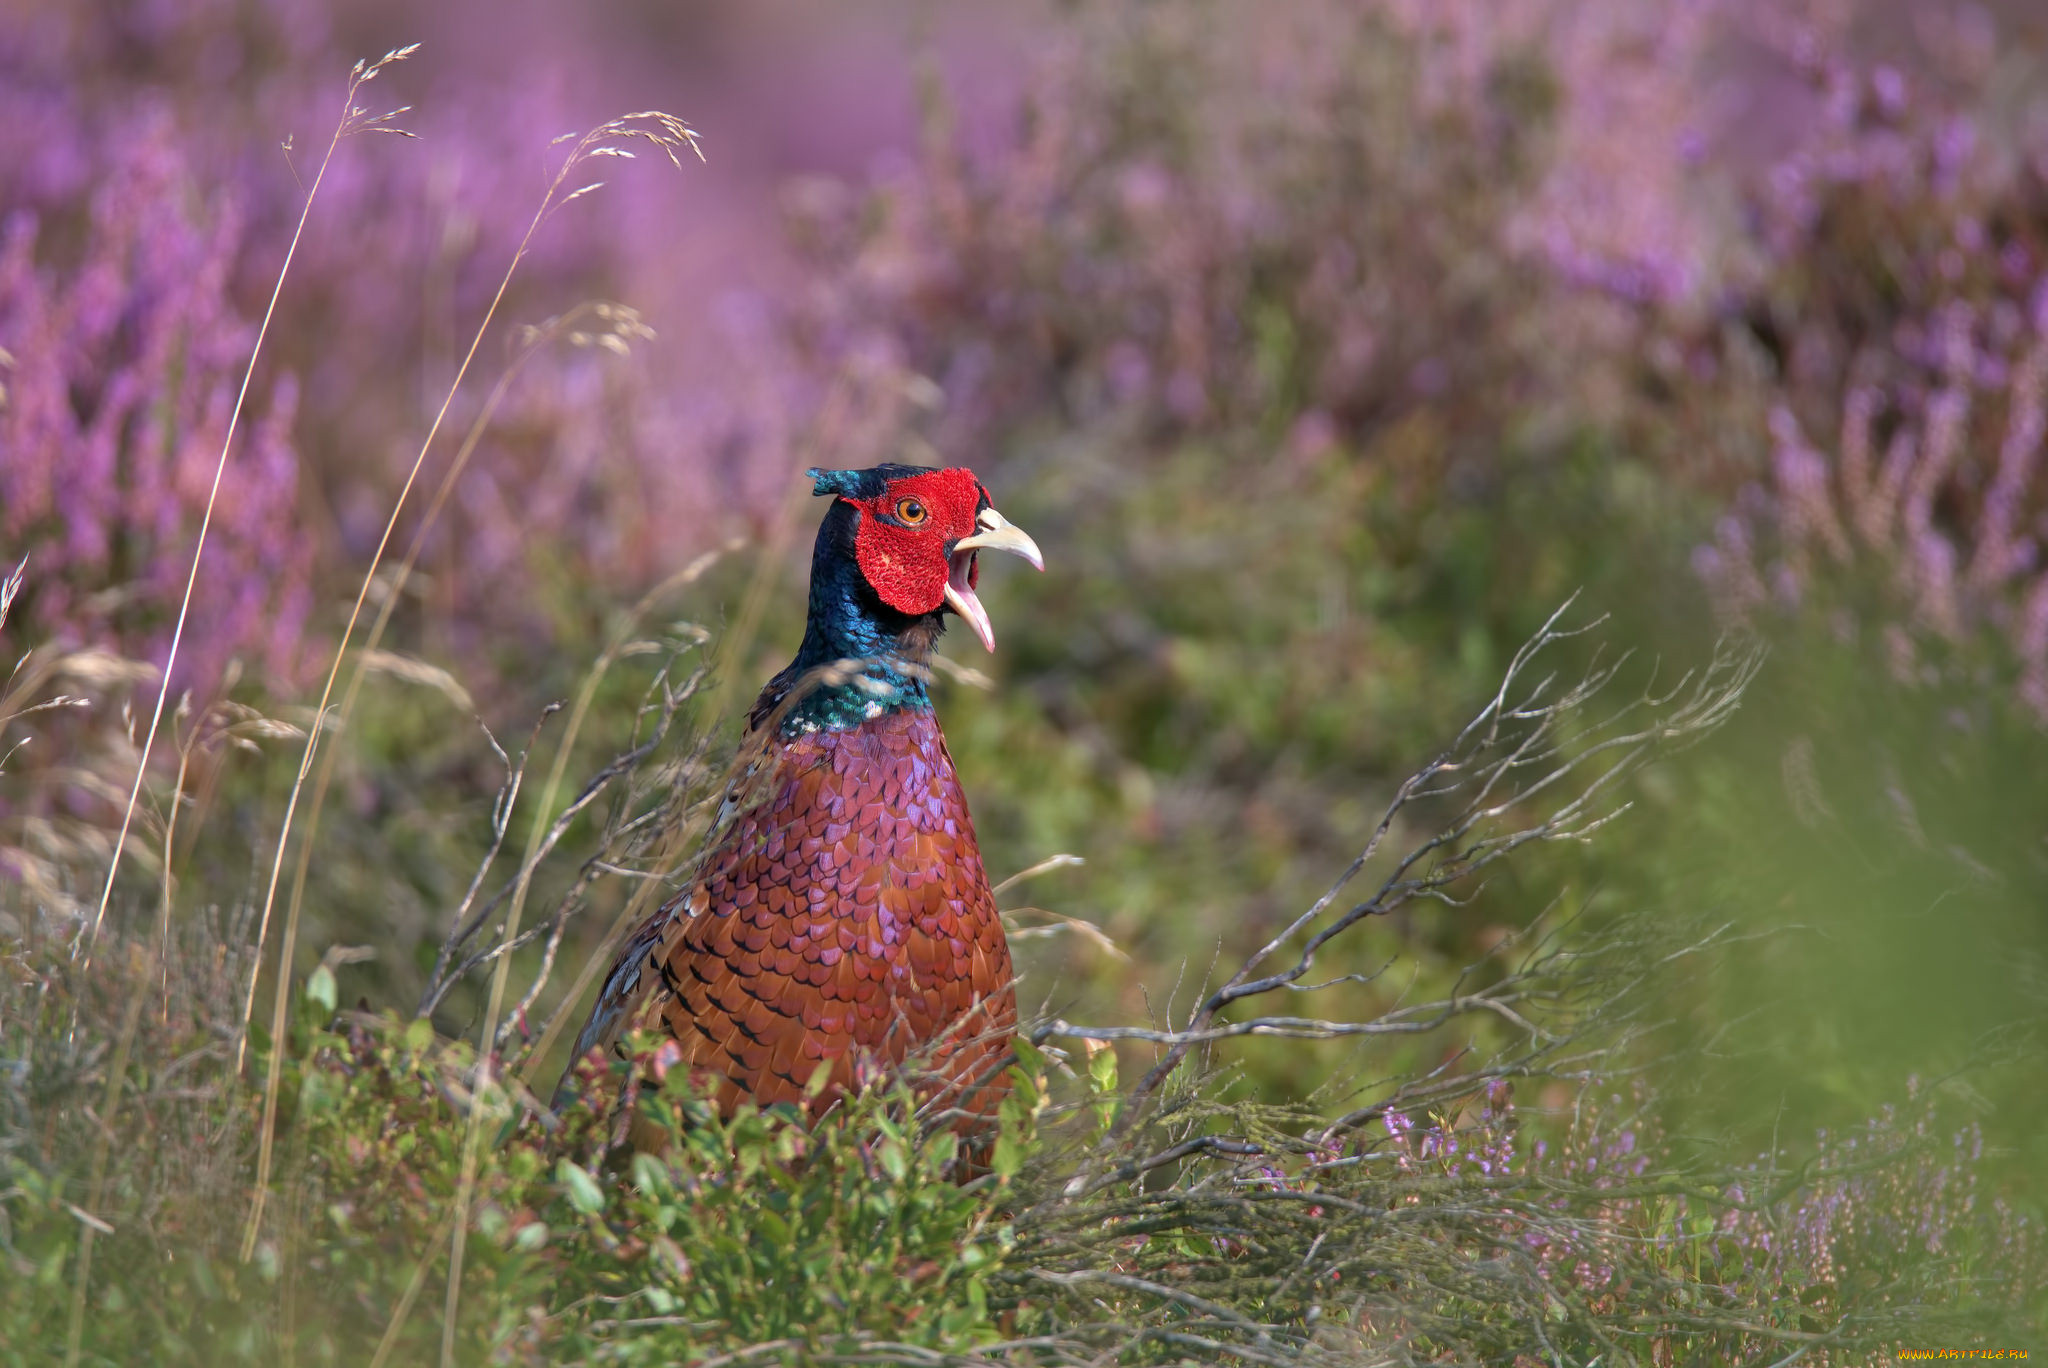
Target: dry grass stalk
x=353, y=120
x=624, y=639
x=671, y=135
x=624, y=836
x=617, y=326
x=668, y=133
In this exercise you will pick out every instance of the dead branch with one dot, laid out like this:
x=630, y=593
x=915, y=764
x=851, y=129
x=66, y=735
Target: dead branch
x=1534, y=765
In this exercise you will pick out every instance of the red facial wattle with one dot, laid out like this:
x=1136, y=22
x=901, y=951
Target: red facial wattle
x=917, y=544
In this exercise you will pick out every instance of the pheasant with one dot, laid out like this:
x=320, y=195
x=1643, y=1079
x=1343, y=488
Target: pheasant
x=840, y=914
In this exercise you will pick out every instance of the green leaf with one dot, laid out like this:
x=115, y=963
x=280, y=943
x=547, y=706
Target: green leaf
x=419, y=1034
x=321, y=988
x=1029, y=1056
x=1008, y=1156
x=1102, y=1069
x=651, y=1175
x=317, y=1094
x=584, y=1193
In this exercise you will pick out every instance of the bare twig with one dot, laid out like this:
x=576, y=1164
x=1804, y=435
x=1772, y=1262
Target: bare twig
x=1526, y=746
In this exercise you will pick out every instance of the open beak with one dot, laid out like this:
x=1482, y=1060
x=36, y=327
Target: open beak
x=995, y=534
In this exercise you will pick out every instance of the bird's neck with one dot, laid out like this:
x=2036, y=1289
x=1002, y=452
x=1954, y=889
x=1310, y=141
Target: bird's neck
x=860, y=659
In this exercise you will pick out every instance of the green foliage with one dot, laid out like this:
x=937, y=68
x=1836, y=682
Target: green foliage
x=1098, y=1217
x=757, y=1227
x=748, y=1228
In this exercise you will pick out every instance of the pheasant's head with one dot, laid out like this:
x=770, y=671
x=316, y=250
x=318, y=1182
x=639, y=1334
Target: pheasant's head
x=917, y=535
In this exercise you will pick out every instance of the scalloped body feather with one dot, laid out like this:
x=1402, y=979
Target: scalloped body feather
x=843, y=918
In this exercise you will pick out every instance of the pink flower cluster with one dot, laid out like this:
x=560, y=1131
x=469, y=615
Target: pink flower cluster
x=121, y=352
x=1898, y=1204
x=1906, y=420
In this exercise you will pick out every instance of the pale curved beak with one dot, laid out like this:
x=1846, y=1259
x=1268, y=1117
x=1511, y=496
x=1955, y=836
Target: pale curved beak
x=995, y=534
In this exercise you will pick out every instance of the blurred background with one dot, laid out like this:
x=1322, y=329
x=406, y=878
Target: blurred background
x=1325, y=348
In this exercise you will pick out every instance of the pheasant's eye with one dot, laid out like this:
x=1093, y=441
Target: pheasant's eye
x=910, y=511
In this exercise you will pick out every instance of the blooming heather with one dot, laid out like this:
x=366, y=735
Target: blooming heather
x=150, y=205
x=1876, y=1217
x=122, y=354
x=1357, y=231
x=1909, y=312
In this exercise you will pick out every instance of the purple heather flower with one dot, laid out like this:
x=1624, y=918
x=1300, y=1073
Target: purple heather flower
x=126, y=355
x=1888, y=84
x=1945, y=507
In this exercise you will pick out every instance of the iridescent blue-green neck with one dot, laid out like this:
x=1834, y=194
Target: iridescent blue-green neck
x=886, y=655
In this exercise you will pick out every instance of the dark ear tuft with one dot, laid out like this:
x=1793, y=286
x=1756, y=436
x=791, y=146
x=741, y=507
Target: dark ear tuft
x=871, y=483
x=844, y=482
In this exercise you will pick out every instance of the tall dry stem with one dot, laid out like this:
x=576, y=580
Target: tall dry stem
x=353, y=120
x=486, y=1043
x=619, y=326
x=670, y=134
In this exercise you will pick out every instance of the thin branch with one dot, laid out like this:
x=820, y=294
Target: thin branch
x=1516, y=750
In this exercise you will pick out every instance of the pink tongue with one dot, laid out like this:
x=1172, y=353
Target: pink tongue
x=960, y=594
